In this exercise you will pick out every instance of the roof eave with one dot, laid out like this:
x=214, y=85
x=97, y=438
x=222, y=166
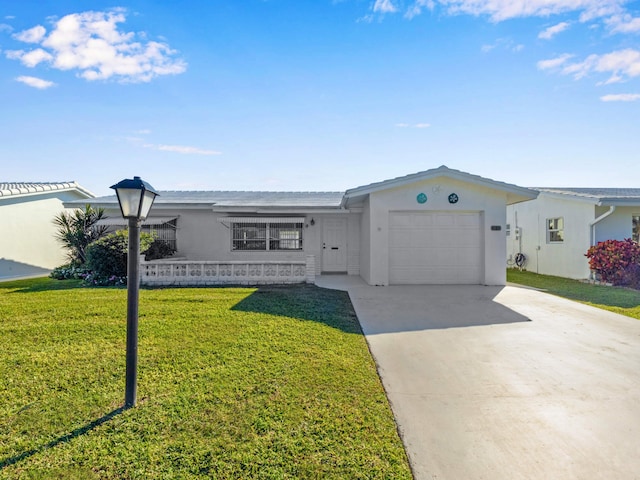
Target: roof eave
x=619, y=202
x=515, y=194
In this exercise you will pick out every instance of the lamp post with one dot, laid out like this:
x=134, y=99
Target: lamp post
x=135, y=197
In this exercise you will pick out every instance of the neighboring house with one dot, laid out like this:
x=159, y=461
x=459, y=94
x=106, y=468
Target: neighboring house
x=28, y=246
x=441, y=226
x=555, y=230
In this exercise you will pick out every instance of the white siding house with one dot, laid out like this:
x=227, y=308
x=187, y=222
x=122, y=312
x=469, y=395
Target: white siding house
x=27, y=245
x=437, y=226
x=555, y=230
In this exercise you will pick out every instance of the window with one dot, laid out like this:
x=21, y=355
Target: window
x=555, y=230
x=271, y=236
x=635, y=228
x=508, y=230
x=165, y=232
x=162, y=228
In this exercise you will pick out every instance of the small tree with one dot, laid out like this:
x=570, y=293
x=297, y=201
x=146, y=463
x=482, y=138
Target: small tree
x=616, y=261
x=77, y=229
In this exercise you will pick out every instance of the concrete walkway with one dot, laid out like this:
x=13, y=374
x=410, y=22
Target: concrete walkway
x=504, y=382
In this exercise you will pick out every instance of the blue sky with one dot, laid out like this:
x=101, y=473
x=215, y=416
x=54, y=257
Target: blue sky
x=319, y=95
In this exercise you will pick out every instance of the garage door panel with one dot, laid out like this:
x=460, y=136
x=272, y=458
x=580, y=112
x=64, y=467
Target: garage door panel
x=435, y=248
x=444, y=220
x=470, y=220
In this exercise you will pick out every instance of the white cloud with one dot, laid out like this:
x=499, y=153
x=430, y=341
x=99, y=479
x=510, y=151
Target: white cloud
x=35, y=82
x=144, y=131
x=422, y=125
x=402, y=125
x=621, y=97
x=416, y=9
x=181, y=149
x=552, y=31
x=5, y=28
x=31, y=58
x=553, y=62
x=621, y=65
x=623, y=24
x=32, y=35
x=503, y=44
x=499, y=10
x=91, y=43
x=384, y=6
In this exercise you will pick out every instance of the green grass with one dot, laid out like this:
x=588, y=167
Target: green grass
x=619, y=300
x=232, y=383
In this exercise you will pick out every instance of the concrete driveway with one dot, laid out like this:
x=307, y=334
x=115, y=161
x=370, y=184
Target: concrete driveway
x=506, y=382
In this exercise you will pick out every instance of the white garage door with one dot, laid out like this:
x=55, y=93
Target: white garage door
x=435, y=248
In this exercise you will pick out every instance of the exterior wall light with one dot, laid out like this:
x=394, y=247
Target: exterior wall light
x=135, y=197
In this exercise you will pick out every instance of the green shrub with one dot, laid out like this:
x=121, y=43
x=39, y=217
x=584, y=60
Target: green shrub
x=69, y=271
x=159, y=249
x=107, y=257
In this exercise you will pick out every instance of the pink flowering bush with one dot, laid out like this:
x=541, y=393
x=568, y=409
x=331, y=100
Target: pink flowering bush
x=616, y=261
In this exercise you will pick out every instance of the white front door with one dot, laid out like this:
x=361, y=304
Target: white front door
x=334, y=245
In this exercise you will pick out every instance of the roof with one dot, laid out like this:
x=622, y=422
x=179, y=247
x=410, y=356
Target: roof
x=13, y=189
x=515, y=194
x=239, y=199
x=599, y=196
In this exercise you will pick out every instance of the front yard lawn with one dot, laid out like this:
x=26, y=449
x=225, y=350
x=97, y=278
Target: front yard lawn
x=619, y=300
x=233, y=383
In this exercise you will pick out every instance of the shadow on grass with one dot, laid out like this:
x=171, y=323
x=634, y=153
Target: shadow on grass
x=63, y=439
x=304, y=302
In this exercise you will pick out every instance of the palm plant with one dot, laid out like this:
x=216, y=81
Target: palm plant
x=77, y=229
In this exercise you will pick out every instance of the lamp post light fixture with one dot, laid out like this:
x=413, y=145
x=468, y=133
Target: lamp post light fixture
x=135, y=197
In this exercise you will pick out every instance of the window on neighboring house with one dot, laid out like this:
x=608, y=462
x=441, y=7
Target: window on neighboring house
x=555, y=230
x=635, y=228
x=508, y=230
x=271, y=236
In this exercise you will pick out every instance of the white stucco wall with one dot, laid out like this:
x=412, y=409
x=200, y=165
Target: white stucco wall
x=28, y=246
x=616, y=226
x=365, y=242
x=564, y=259
x=200, y=235
x=491, y=203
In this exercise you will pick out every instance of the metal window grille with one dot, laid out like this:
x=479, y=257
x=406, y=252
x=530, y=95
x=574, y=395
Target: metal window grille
x=555, y=230
x=267, y=236
x=165, y=232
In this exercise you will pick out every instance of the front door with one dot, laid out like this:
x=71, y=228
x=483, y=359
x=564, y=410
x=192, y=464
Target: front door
x=334, y=245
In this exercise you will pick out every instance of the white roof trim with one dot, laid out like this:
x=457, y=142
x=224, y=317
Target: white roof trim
x=517, y=193
x=229, y=220
x=115, y=221
x=32, y=188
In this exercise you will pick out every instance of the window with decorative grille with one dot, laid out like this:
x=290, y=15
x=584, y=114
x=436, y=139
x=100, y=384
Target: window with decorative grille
x=266, y=236
x=165, y=232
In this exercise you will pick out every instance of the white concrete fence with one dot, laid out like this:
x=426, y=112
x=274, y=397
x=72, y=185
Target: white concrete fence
x=167, y=272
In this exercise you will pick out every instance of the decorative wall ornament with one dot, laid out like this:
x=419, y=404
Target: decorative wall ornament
x=421, y=198
x=453, y=198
